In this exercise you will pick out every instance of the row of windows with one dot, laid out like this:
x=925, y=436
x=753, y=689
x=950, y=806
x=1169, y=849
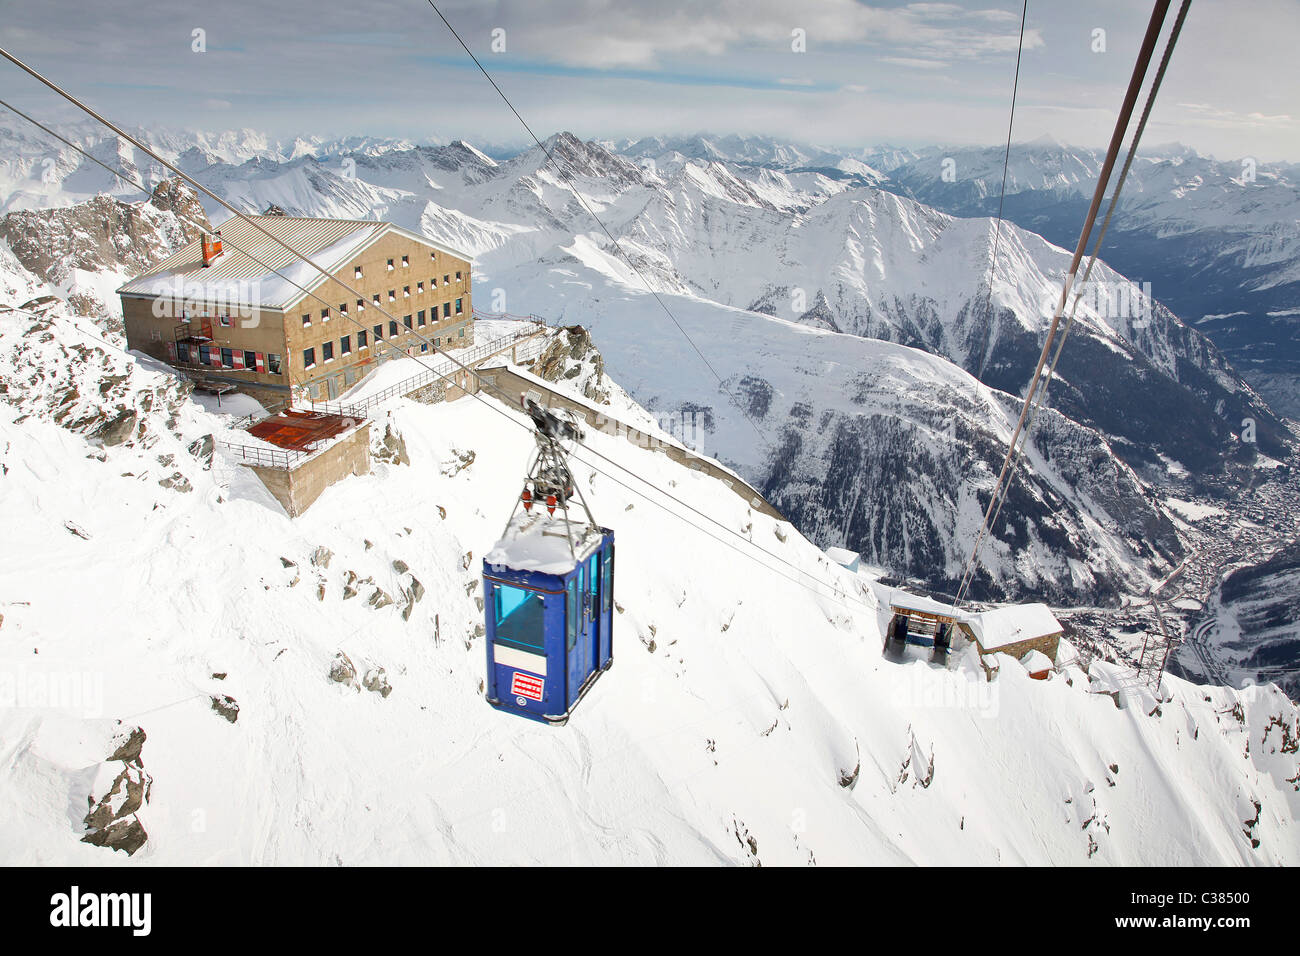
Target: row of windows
x=228, y=358
x=392, y=297
x=363, y=341
x=406, y=261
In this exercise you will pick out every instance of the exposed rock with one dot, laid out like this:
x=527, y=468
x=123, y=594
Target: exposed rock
x=380, y=599
x=102, y=234
x=342, y=671
x=110, y=819
x=119, y=428
x=401, y=567
x=201, y=448
x=125, y=835
x=226, y=706
x=177, y=482
x=392, y=448
x=463, y=460
x=376, y=681
x=321, y=557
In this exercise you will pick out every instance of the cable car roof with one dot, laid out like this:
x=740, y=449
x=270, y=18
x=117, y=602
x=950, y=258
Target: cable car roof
x=547, y=545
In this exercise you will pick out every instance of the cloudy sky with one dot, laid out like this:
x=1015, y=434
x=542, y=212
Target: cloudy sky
x=829, y=72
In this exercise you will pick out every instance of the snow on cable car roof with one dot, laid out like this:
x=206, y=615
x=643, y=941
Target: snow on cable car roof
x=535, y=541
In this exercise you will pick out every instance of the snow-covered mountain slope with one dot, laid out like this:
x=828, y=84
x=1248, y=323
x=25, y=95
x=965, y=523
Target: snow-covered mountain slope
x=885, y=449
x=722, y=235
x=746, y=719
x=1219, y=241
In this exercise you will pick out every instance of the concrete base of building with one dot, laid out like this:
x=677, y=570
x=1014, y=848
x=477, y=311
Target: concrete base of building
x=298, y=487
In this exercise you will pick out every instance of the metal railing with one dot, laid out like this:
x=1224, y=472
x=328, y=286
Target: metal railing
x=265, y=457
x=467, y=357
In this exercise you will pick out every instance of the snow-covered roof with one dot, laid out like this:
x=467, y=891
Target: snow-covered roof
x=843, y=556
x=1036, y=662
x=915, y=602
x=238, y=277
x=1001, y=626
x=536, y=541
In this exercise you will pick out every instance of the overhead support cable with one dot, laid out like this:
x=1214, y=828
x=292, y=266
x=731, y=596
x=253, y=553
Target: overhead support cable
x=1002, y=195
x=1136, y=80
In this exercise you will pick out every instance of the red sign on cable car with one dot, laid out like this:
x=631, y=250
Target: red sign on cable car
x=526, y=685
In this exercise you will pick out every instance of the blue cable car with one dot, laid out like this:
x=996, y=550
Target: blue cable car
x=548, y=588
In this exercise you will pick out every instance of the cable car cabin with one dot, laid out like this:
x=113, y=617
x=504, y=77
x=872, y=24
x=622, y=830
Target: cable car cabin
x=549, y=588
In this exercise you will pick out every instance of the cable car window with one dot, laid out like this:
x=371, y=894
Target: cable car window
x=609, y=581
x=519, y=614
x=571, y=618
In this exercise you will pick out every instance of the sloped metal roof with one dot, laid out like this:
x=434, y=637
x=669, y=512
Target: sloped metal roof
x=238, y=276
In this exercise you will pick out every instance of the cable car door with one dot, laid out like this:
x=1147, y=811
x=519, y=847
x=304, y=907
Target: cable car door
x=592, y=607
x=574, y=629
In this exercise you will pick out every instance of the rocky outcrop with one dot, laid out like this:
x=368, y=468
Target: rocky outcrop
x=103, y=235
x=111, y=819
x=572, y=356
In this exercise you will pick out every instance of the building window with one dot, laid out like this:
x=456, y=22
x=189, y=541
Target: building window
x=390, y=265
x=462, y=332
x=356, y=274
x=392, y=329
x=376, y=298
x=182, y=351
x=406, y=260
x=446, y=310
x=343, y=308
x=306, y=320
x=437, y=342
x=361, y=340
x=345, y=344
x=205, y=355
x=424, y=346
x=419, y=286
x=379, y=332
x=308, y=358
x=327, y=351
x=225, y=321
x=457, y=276
x=361, y=305
x=227, y=358
x=460, y=309
x=433, y=256
x=250, y=359
x=325, y=315
x=406, y=321
x=406, y=292
x=419, y=318
x=392, y=295
x=446, y=279
x=273, y=363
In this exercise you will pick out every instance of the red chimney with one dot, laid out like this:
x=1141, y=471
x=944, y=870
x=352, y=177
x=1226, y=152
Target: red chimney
x=211, y=248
